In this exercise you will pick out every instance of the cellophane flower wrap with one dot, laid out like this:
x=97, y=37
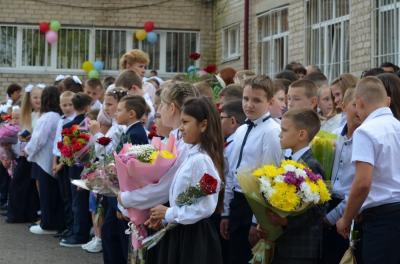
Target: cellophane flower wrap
x=323, y=149
x=138, y=166
x=76, y=146
x=289, y=189
x=9, y=133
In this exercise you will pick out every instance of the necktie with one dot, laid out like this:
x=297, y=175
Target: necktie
x=288, y=158
x=250, y=126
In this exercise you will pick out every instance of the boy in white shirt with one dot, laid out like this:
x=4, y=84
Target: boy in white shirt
x=94, y=88
x=375, y=192
x=256, y=143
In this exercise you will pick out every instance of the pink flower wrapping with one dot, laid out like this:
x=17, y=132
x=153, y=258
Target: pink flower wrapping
x=134, y=174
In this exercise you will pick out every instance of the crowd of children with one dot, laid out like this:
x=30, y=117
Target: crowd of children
x=255, y=120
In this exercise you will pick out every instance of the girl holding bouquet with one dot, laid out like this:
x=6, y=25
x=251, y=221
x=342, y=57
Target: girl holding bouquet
x=194, y=239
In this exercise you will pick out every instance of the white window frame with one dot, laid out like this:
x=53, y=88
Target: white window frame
x=51, y=66
x=284, y=35
x=227, y=53
x=377, y=15
x=324, y=26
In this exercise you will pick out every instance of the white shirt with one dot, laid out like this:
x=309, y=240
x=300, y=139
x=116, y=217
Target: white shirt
x=377, y=142
x=114, y=133
x=262, y=147
x=189, y=174
x=149, y=89
x=332, y=123
x=152, y=113
x=40, y=146
x=35, y=118
x=157, y=193
x=228, y=175
x=297, y=155
x=343, y=172
x=61, y=123
x=96, y=105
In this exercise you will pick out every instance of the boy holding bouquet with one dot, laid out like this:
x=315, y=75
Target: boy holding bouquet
x=301, y=241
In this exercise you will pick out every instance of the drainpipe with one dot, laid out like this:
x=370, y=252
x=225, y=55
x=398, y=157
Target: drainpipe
x=246, y=35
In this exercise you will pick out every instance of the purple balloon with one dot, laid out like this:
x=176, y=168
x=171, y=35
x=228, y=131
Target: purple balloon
x=51, y=37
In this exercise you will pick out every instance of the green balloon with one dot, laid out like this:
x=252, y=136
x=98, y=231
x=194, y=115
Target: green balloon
x=93, y=74
x=55, y=25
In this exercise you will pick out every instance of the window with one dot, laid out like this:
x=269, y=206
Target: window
x=24, y=49
x=231, y=42
x=386, y=31
x=72, y=48
x=327, y=36
x=110, y=46
x=8, y=41
x=273, y=41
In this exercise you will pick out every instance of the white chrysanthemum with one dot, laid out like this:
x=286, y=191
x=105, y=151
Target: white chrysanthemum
x=265, y=187
x=300, y=173
x=290, y=168
x=307, y=194
x=142, y=151
x=279, y=178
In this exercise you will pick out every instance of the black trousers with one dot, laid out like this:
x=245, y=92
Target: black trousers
x=50, y=200
x=381, y=231
x=64, y=185
x=114, y=240
x=23, y=201
x=4, y=184
x=239, y=226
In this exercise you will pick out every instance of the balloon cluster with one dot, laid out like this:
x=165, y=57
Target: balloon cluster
x=147, y=33
x=50, y=30
x=93, y=69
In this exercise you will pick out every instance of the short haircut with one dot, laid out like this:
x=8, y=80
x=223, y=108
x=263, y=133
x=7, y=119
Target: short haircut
x=313, y=68
x=12, y=88
x=93, y=114
x=300, y=69
x=72, y=85
x=372, y=90
x=154, y=72
x=242, y=75
x=310, y=88
x=261, y=82
x=345, y=81
x=81, y=100
x=127, y=79
x=235, y=109
x=318, y=78
x=293, y=65
x=232, y=92
x=280, y=85
x=94, y=83
x=372, y=72
x=389, y=64
x=288, y=75
x=204, y=89
x=180, y=77
x=135, y=103
x=107, y=81
x=132, y=57
x=304, y=118
x=349, y=96
x=67, y=94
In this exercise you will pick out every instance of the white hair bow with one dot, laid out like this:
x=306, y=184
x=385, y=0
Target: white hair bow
x=15, y=108
x=29, y=88
x=60, y=78
x=40, y=85
x=76, y=79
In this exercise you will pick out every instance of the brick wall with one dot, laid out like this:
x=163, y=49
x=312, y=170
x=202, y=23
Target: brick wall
x=297, y=40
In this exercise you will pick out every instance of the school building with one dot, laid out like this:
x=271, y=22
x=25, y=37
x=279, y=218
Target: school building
x=262, y=35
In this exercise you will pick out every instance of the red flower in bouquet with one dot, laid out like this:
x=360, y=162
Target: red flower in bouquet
x=66, y=151
x=74, y=128
x=153, y=131
x=76, y=146
x=211, y=68
x=194, y=56
x=60, y=145
x=84, y=136
x=65, y=131
x=104, y=141
x=208, y=184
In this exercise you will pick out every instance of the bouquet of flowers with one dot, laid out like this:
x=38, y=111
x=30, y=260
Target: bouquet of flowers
x=289, y=189
x=206, y=186
x=76, y=146
x=323, y=148
x=101, y=176
x=140, y=165
x=9, y=133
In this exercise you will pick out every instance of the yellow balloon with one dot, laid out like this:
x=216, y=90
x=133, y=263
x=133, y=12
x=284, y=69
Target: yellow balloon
x=141, y=34
x=87, y=66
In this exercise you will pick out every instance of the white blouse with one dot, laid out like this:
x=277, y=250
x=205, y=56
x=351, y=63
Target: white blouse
x=189, y=174
x=40, y=146
x=115, y=133
x=157, y=193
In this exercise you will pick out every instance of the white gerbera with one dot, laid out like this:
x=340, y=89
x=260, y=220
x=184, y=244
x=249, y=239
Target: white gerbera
x=290, y=168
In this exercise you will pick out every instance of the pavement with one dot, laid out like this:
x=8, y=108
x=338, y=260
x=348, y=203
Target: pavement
x=19, y=246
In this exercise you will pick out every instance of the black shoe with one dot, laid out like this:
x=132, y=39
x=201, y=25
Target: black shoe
x=3, y=213
x=71, y=242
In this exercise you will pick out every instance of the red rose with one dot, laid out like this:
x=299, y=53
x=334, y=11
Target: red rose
x=84, y=136
x=59, y=145
x=74, y=128
x=66, y=152
x=194, y=56
x=104, y=141
x=65, y=131
x=77, y=146
x=211, y=68
x=208, y=184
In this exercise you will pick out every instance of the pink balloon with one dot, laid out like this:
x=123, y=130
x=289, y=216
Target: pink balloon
x=51, y=37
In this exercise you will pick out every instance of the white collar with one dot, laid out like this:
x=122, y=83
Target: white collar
x=378, y=112
x=194, y=149
x=127, y=128
x=261, y=119
x=297, y=155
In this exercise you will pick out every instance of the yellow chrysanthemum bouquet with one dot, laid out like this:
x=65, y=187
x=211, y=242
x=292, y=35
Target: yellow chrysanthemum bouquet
x=323, y=149
x=289, y=189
